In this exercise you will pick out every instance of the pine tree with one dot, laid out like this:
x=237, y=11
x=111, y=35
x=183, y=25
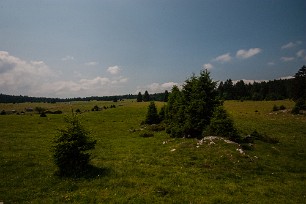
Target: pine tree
x=166, y=95
x=71, y=146
x=189, y=111
x=139, y=97
x=152, y=116
x=146, y=96
x=299, y=84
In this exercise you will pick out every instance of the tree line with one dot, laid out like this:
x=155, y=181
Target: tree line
x=280, y=89
x=4, y=98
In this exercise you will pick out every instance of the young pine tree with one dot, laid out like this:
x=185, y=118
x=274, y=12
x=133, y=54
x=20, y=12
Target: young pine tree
x=72, y=144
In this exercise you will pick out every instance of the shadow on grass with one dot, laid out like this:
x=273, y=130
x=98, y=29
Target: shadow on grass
x=90, y=172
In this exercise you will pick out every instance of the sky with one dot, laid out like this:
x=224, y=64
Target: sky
x=78, y=48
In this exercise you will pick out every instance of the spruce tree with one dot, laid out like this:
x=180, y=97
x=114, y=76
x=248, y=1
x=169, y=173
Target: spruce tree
x=166, y=95
x=152, y=117
x=139, y=97
x=71, y=148
x=189, y=111
x=146, y=96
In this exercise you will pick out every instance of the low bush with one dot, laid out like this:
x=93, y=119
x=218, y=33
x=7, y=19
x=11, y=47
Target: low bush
x=95, y=108
x=156, y=127
x=40, y=110
x=146, y=134
x=222, y=125
x=275, y=108
x=299, y=105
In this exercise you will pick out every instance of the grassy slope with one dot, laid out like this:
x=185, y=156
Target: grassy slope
x=148, y=170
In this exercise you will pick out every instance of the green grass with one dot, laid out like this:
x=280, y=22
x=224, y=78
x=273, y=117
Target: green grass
x=159, y=169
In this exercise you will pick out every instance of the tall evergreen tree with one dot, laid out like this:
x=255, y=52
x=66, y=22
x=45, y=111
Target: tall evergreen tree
x=146, y=96
x=189, y=111
x=228, y=89
x=299, y=84
x=152, y=115
x=166, y=95
x=139, y=97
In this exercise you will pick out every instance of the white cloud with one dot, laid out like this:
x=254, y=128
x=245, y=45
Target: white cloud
x=157, y=87
x=287, y=77
x=68, y=58
x=286, y=59
x=291, y=45
x=92, y=83
x=271, y=63
x=19, y=76
x=35, y=78
x=223, y=58
x=114, y=69
x=208, y=66
x=84, y=87
x=244, y=54
x=301, y=54
x=91, y=63
x=249, y=81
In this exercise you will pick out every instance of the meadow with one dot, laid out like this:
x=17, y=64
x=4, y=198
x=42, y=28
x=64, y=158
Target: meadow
x=158, y=169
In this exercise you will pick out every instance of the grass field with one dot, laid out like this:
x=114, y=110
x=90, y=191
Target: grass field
x=159, y=169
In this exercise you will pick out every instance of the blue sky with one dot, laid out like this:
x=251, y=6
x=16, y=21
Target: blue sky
x=61, y=48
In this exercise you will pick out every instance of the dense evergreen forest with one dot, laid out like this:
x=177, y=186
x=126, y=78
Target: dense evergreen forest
x=270, y=90
x=294, y=88
x=279, y=89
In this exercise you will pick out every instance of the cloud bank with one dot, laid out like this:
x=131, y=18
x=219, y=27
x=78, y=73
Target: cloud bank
x=157, y=87
x=35, y=78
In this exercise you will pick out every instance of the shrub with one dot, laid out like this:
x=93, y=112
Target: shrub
x=40, y=110
x=43, y=115
x=295, y=110
x=222, y=125
x=71, y=146
x=3, y=112
x=299, y=105
x=146, y=134
x=95, y=108
x=275, y=108
x=282, y=107
x=156, y=127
